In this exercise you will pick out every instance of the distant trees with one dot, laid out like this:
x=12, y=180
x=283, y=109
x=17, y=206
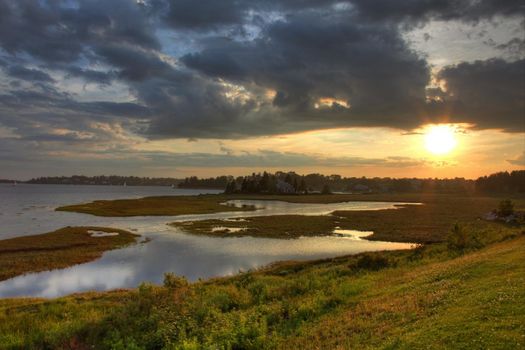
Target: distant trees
x=218, y=182
x=290, y=182
x=502, y=182
x=279, y=182
x=114, y=180
x=326, y=190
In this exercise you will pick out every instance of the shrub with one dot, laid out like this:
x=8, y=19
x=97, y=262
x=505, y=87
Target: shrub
x=172, y=281
x=506, y=208
x=372, y=262
x=461, y=239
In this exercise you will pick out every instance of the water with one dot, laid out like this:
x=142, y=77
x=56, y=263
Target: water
x=28, y=209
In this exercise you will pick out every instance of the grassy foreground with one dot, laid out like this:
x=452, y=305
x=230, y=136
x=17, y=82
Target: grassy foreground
x=58, y=249
x=463, y=294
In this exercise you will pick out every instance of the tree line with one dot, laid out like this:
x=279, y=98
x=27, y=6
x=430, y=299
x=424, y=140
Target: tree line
x=513, y=182
x=113, y=180
x=218, y=182
x=291, y=182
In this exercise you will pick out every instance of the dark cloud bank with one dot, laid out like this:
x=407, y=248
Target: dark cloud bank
x=253, y=68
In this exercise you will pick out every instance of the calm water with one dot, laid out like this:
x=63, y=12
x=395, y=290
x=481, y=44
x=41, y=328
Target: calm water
x=28, y=209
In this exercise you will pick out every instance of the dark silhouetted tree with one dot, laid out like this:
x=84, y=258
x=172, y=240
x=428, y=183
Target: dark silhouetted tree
x=326, y=189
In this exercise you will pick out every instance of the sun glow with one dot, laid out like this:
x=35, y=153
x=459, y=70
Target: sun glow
x=440, y=139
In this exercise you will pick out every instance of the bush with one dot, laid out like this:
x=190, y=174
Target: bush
x=373, y=262
x=506, y=208
x=172, y=281
x=461, y=239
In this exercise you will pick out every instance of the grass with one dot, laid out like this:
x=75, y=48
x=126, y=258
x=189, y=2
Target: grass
x=431, y=297
x=277, y=226
x=155, y=206
x=427, y=223
x=464, y=292
x=205, y=204
x=58, y=249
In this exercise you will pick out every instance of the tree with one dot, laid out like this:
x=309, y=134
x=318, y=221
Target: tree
x=264, y=182
x=288, y=179
x=230, y=187
x=326, y=189
x=302, y=186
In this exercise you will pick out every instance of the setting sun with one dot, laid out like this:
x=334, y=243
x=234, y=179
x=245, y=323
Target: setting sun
x=440, y=139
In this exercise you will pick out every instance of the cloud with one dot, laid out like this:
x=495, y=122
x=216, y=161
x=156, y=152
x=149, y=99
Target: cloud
x=304, y=59
x=520, y=160
x=208, y=14
x=20, y=72
x=251, y=68
x=489, y=94
x=418, y=11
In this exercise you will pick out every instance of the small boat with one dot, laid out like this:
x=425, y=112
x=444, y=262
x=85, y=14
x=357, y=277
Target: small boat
x=14, y=183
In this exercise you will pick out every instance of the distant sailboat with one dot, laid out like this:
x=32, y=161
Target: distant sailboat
x=14, y=183
x=124, y=184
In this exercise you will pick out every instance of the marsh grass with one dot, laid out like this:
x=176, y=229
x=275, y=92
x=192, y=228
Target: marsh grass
x=276, y=226
x=155, y=206
x=58, y=249
x=427, y=223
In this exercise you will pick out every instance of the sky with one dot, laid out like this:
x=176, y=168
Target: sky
x=207, y=87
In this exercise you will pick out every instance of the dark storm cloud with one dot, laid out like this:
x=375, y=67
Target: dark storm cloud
x=53, y=31
x=490, y=94
x=328, y=64
x=89, y=75
x=423, y=10
x=24, y=73
x=39, y=111
x=206, y=14
x=212, y=14
x=309, y=57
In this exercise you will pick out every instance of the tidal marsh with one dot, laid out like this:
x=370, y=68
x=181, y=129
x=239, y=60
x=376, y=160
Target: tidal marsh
x=58, y=249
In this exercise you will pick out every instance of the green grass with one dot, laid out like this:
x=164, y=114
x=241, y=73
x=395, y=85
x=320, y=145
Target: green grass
x=464, y=292
x=58, y=249
x=430, y=297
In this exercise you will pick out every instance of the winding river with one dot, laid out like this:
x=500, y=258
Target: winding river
x=29, y=209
